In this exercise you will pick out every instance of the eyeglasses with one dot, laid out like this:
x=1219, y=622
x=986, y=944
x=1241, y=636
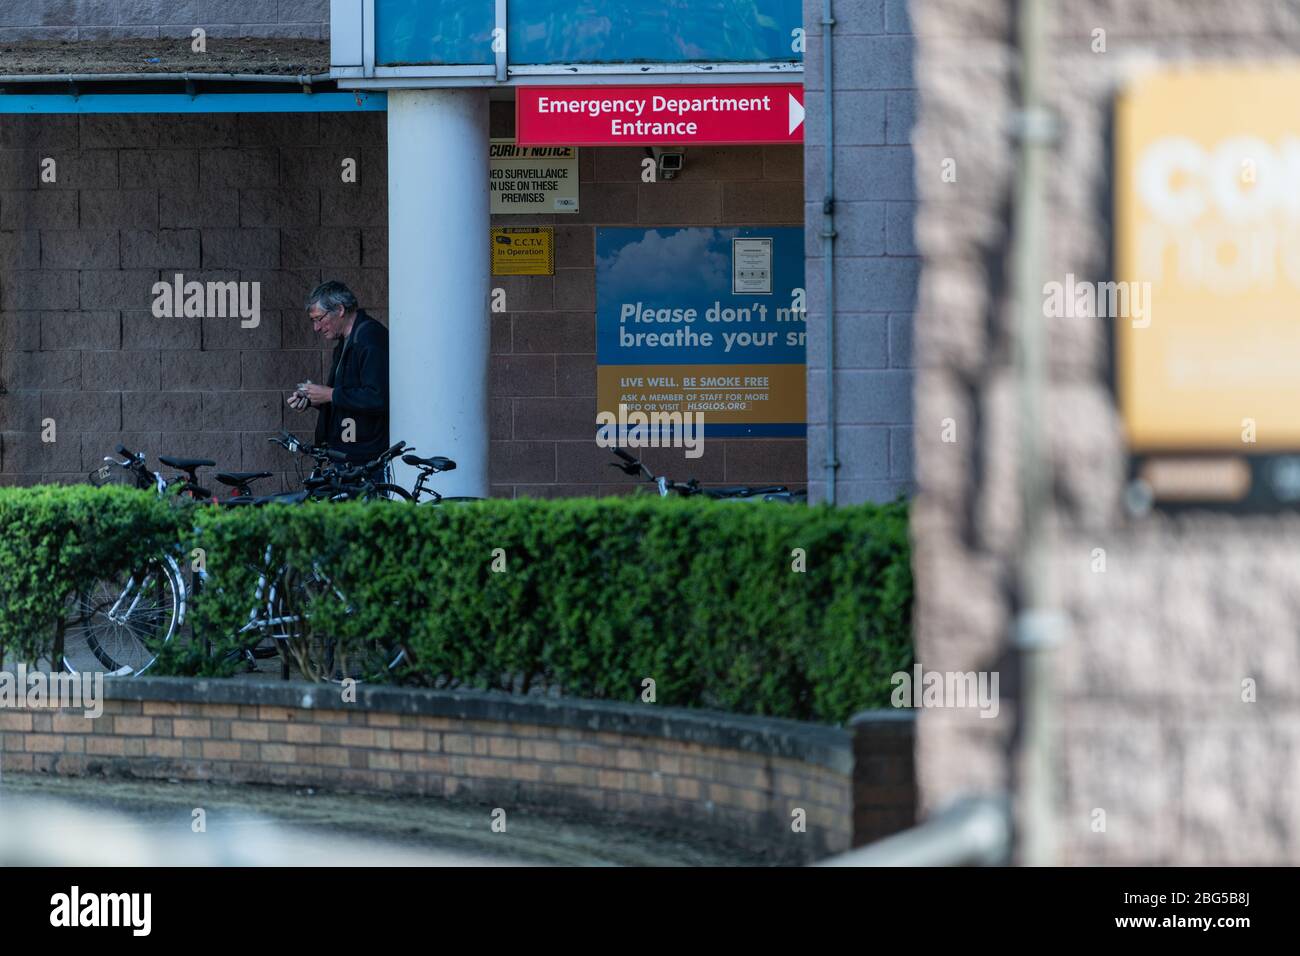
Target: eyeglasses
x=319, y=318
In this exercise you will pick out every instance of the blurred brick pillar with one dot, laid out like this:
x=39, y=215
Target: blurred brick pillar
x=884, y=773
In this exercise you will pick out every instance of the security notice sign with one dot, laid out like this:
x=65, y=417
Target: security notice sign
x=659, y=115
x=532, y=179
x=523, y=251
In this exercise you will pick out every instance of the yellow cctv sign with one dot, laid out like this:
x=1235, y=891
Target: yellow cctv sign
x=523, y=251
x=1208, y=225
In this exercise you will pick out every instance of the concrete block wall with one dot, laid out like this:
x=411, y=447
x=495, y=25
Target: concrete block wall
x=543, y=372
x=1151, y=726
x=259, y=197
x=876, y=259
x=122, y=19
x=136, y=198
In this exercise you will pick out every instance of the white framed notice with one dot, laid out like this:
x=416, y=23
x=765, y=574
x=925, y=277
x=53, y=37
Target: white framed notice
x=751, y=266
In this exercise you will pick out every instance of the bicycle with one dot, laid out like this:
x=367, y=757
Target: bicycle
x=692, y=488
x=121, y=623
x=428, y=467
x=334, y=479
x=292, y=593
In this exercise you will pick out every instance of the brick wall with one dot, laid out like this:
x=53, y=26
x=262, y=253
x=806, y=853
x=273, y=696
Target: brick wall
x=876, y=259
x=884, y=773
x=99, y=19
x=739, y=777
x=258, y=197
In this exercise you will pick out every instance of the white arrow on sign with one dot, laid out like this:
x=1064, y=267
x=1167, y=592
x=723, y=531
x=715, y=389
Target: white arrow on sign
x=796, y=112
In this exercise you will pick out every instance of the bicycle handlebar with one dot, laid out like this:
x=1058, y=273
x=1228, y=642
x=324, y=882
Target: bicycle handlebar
x=291, y=443
x=334, y=469
x=383, y=460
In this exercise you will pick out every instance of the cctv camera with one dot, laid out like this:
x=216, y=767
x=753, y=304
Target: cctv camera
x=669, y=160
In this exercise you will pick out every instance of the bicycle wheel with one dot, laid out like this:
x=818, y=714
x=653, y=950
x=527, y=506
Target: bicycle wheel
x=119, y=624
x=387, y=492
x=363, y=661
x=318, y=656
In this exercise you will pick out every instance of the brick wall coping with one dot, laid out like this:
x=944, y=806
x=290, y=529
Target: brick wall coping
x=824, y=746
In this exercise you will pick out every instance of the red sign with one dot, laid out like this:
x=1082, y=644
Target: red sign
x=680, y=115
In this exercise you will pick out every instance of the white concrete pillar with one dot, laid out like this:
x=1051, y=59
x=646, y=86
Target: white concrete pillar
x=438, y=278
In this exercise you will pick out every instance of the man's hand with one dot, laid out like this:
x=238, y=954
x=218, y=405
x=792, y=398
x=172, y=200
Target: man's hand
x=317, y=394
x=298, y=402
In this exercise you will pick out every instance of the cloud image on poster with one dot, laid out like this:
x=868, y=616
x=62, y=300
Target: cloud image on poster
x=672, y=335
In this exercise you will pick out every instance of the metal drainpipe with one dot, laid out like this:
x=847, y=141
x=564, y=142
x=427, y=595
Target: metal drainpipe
x=1038, y=625
x=828, y=244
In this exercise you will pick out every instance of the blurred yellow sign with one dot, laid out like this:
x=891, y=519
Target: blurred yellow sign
x=1208, y=226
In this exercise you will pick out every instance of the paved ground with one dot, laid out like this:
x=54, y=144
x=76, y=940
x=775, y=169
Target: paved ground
x=306, y=827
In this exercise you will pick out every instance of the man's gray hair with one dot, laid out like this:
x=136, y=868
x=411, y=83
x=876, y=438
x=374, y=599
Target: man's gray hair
x=330, y=295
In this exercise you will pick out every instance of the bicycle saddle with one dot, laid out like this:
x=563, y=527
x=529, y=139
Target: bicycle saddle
x=437, y=462
x=236, y=478
x=185, y=464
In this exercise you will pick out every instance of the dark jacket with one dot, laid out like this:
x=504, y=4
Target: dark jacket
x=359, y=377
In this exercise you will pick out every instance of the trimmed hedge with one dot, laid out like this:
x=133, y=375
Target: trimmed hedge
x=595, y=595
x=55, y=541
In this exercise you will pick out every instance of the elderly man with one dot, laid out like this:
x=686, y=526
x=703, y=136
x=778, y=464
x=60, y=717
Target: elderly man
x=353, y=404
